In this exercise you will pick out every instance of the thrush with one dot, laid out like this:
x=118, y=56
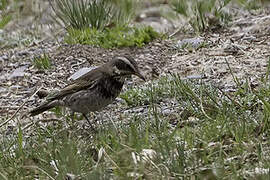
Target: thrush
x=95, y=89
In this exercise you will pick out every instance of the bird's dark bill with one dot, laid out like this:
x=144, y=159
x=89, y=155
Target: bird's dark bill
x=139, y=74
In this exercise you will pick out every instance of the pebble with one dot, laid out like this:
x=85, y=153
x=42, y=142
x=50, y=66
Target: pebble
x=23, y=53
x=193, y=42
x=3, y=58
x=19, y=72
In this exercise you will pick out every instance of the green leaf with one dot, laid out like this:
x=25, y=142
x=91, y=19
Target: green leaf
x=6, y=19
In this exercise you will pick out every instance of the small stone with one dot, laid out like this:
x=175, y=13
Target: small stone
x=19, y=72
x=23, y=53
x=193, y=42
x=4, y=57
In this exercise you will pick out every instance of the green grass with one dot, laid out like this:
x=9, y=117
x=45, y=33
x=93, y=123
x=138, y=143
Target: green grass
x=207, y=133
x=102, y=23
x=113, y=37
x=94, y=14
x=42, y=62
x=5, y=20
x=203, y=15
x=251, y=4
x=5, y=17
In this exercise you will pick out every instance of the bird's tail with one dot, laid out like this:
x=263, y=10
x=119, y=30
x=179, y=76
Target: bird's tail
x=44, y=107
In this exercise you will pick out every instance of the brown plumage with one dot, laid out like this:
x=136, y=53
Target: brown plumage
x=94, y=90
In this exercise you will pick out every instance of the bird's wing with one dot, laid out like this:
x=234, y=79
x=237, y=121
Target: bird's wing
x=88, y=80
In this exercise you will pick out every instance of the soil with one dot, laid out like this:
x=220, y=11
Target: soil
x=241, y=50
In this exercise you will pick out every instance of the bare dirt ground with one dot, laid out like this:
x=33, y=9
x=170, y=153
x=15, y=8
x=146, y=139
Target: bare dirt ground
x=244, y=47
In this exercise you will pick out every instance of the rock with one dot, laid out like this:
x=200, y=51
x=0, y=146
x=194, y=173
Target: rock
x=19, y=72
x=3, y=58
x=23, y=53
x=193, y=42
x=81, y=72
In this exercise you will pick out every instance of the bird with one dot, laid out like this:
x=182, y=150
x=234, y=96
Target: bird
x=94, y=90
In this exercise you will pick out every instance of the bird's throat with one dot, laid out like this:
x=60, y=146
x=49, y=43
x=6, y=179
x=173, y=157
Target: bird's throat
x=111, y=87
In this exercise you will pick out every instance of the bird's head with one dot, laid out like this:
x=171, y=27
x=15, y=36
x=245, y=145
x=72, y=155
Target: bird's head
x=123, y=66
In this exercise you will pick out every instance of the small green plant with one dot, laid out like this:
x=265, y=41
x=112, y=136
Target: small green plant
x=42, y=62
x=203, y=15
x=4, y=20
x=102, y=23
x=250, y=4
x=95, y=14
x=128, y=10
x=112, y=37
x=5, y=16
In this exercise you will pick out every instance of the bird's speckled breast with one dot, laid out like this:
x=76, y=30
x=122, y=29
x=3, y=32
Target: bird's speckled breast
x=95, y=98
x=110, y=87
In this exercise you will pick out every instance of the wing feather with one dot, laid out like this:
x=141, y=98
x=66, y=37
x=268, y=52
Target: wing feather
x=86, y=81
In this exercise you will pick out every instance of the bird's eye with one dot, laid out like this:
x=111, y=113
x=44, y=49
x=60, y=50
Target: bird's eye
x=122, y=66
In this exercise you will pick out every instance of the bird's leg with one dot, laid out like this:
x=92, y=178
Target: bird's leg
x=84, y=115
x=72, y=115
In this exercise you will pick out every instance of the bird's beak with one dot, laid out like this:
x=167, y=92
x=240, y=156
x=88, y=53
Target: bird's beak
x=139, y=74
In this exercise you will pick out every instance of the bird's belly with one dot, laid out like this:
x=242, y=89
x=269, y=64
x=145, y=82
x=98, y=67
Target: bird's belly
x=87, y=101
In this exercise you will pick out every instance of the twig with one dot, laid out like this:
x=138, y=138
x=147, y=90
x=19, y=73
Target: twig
x=175, y=32
x=114, y=163
x=4, y=123
x=232, y=100
x=38, y=168
x=41, y=120
x=114, y=125
x=231, y=72
x=201, y=105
